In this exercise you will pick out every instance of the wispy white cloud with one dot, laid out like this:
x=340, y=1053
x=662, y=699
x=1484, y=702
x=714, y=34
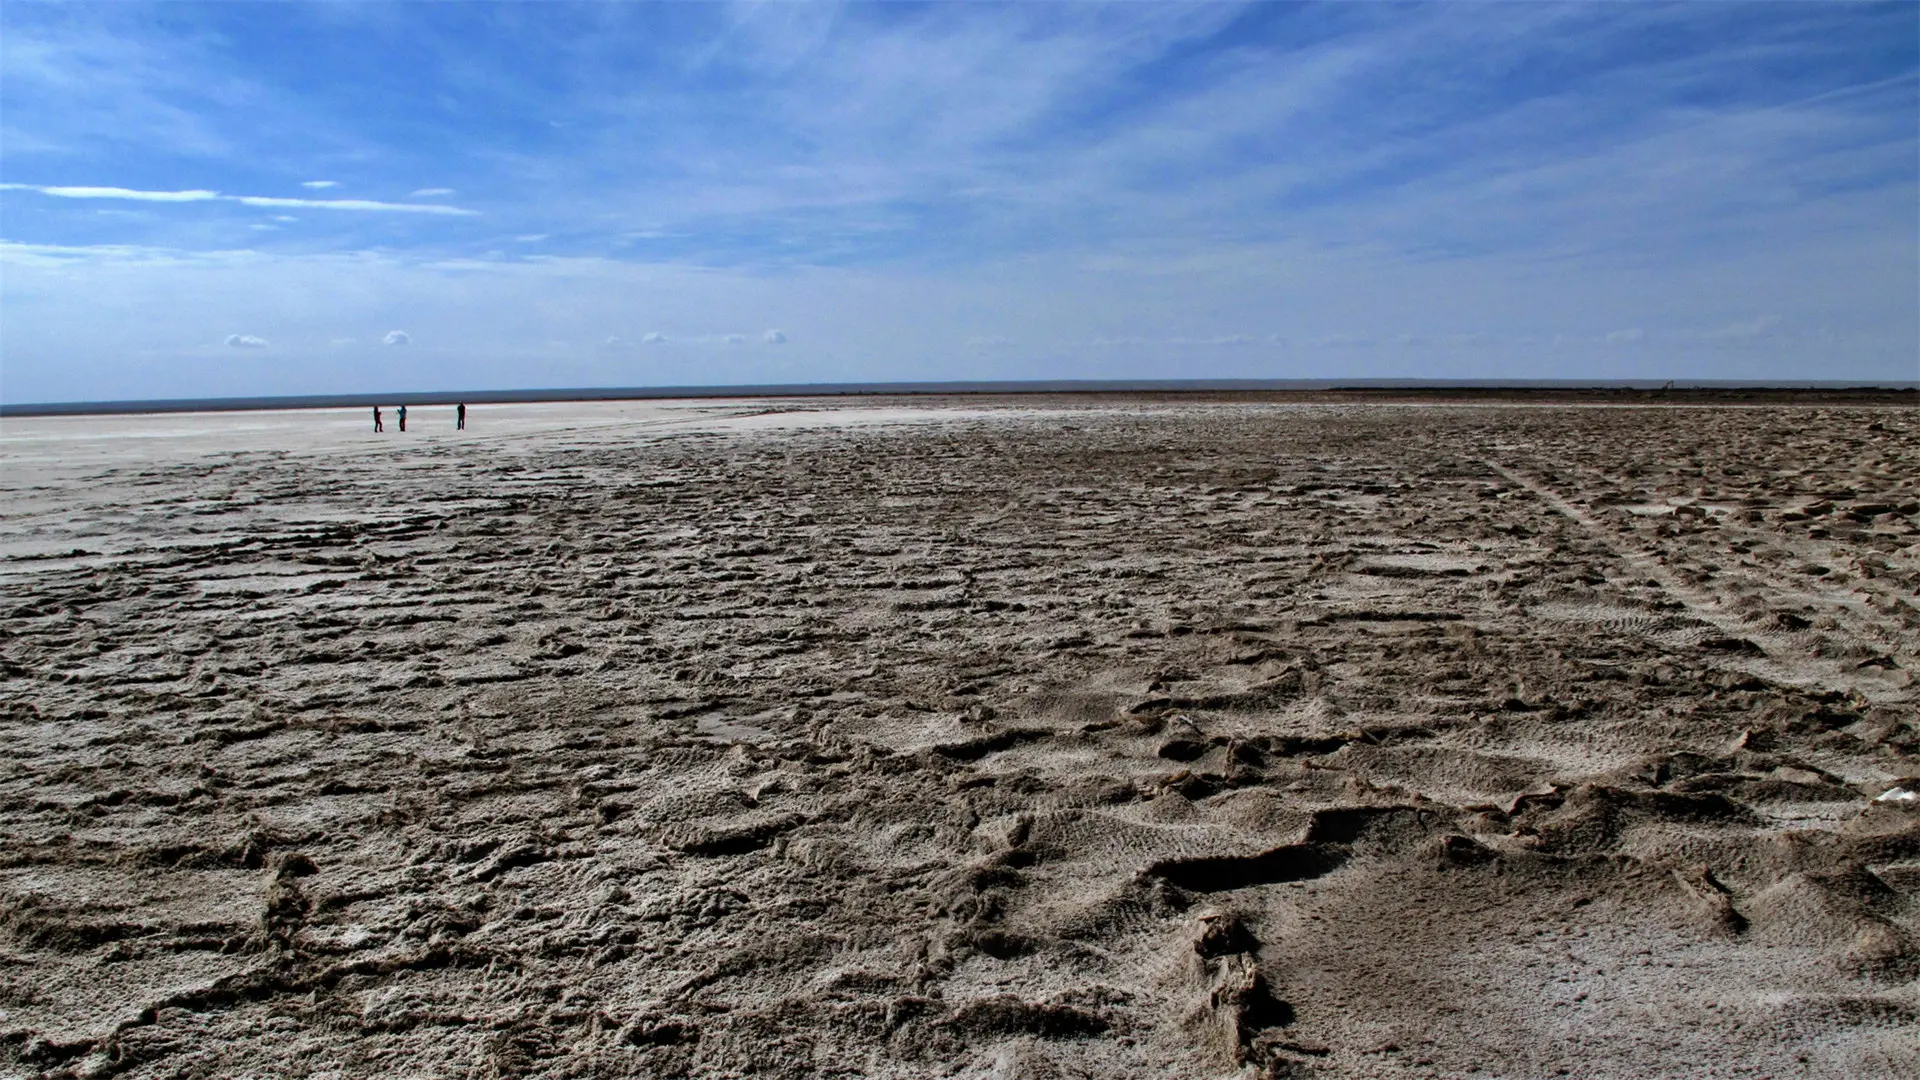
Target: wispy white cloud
x=1213, y=341
x=318, y=185
x=1346, y=341
x=780, y=135
x=352, y=204
x=196, y=195
x=78, y=84
x=246, y=341
x=396, y=337
x=654, y=338
x=1745, y=330
x=117, y=193
x=1221, y=189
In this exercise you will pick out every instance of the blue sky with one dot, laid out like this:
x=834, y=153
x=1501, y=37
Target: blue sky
x=278, y=198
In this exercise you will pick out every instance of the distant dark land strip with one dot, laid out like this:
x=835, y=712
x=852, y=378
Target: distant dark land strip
x=1596, y=391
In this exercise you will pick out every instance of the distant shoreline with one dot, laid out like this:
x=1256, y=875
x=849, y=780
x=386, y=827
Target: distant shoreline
x=1623, y=390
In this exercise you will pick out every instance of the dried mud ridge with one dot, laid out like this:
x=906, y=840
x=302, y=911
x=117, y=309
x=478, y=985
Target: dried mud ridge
x=1154, y=741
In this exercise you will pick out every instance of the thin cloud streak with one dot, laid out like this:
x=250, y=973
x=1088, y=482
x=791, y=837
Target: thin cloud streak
x=116, y=193
x=355, y=204
x=196, y=195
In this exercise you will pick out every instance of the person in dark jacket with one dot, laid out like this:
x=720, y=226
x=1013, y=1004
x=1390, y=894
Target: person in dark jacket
x=377, y=425
x=460, y=417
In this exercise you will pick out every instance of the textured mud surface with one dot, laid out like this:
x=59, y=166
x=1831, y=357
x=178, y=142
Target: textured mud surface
x=1134, y=740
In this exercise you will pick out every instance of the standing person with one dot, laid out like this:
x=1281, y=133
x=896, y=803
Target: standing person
x=403, y=418
x=460, y=417
x=377, y=425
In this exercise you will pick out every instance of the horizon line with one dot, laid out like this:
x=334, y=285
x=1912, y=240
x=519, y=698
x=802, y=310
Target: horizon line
x=543, y=395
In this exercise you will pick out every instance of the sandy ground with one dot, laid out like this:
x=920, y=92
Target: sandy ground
x=947, y=738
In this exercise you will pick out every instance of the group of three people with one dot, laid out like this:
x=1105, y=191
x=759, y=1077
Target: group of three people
x=459, y=418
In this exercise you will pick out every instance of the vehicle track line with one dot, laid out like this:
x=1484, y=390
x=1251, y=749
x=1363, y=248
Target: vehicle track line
x=1785, y=663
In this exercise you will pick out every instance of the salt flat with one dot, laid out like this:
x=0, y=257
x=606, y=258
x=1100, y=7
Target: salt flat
x=57, y=443
x=1036, y=738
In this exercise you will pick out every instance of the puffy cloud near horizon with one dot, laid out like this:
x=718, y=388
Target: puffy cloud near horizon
x=1630, y=336
x=396, y=337
x=246, y=341
x=654, y=338
x=774, y=337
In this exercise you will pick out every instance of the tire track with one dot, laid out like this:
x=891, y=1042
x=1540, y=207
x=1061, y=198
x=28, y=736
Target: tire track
x=1784, y=663
x=1875, y=588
